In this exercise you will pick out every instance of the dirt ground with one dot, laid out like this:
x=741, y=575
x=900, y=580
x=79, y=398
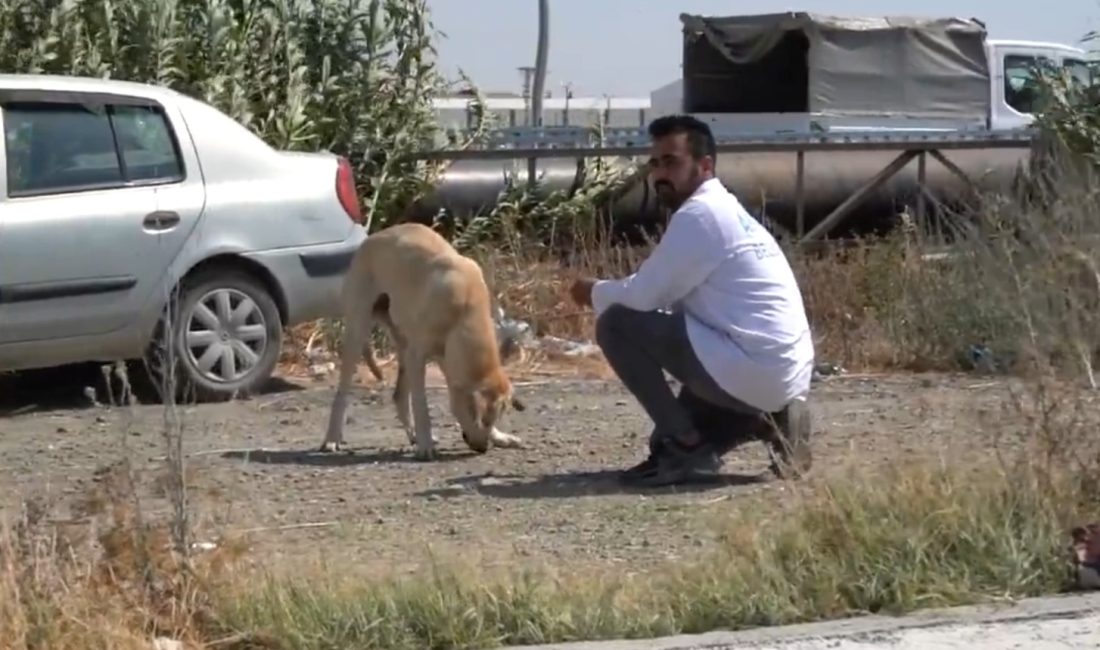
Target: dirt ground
x=252, y=468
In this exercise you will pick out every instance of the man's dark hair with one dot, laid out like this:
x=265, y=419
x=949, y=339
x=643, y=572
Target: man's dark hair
x=699, y=135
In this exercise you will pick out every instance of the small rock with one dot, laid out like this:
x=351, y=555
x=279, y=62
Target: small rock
x=490, y=481
x=164, y=643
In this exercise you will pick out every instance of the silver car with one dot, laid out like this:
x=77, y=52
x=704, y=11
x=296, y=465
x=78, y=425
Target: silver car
x=119, y=200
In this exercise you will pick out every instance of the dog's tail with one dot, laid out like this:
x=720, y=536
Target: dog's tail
x=368, y=356
x=359, y=297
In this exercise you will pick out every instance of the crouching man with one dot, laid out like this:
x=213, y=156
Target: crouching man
x=718, y=307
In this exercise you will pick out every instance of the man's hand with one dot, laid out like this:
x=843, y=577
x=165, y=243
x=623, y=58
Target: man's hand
x=581, y=291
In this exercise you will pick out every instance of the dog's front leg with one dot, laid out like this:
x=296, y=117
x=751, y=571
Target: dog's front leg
x=417, y=365
x=401, y=396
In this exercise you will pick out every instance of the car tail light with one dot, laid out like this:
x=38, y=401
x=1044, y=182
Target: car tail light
x=346, y=192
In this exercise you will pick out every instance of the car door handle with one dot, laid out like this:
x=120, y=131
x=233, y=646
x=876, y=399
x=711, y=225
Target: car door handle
x=161, y=220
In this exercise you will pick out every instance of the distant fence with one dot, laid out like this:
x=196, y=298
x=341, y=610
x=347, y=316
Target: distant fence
x=456, y=113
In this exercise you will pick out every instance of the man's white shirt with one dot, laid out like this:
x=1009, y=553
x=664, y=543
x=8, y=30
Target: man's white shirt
x=745, y=316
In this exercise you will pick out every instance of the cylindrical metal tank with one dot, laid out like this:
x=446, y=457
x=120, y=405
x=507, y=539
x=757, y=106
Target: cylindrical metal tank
x=765, y=182
x=474, y=186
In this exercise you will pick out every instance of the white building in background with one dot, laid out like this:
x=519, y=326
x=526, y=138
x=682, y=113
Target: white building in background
x=453, y=111
x=668, y=99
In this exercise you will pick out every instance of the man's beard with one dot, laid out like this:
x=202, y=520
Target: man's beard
x=669, y=197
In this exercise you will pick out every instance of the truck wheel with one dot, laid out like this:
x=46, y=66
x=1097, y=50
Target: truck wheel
x=227, y=336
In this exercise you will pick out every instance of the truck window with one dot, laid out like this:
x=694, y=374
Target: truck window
x=1021, y=90
x=1021, y=87
x=56, y=147
x=1078, y=70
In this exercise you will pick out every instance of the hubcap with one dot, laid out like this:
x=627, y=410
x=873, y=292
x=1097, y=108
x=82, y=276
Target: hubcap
x=226, y=335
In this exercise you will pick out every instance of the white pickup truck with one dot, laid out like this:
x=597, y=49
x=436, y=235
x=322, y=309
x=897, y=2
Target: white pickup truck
x=808, y=73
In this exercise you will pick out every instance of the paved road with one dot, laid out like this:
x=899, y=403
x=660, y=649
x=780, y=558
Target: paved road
x=1043, y=634
x=1057, y=623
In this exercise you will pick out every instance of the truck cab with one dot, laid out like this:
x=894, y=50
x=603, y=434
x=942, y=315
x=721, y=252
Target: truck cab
x=1013, y=96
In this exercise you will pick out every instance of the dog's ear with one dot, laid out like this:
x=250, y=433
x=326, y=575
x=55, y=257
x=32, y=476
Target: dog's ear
x=518, y=404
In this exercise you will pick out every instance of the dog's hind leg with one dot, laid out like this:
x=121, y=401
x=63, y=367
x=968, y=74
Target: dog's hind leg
x=356, y=325
x=416, y=378
x=401, y=397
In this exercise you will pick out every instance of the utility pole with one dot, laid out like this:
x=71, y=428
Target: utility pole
x=537, y=91
x=528, y=73
x=568, y=86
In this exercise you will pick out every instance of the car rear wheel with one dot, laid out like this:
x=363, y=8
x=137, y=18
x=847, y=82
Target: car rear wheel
x=227, y=336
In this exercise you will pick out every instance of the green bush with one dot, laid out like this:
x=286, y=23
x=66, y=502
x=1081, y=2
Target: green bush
x=352, y=76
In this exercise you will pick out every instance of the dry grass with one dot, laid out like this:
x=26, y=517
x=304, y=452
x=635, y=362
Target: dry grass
x=829, y=555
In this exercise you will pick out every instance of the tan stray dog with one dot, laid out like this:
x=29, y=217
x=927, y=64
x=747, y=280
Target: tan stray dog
x=435, y=305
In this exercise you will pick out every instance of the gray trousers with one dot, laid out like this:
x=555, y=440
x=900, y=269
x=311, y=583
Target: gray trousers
x=640, y=347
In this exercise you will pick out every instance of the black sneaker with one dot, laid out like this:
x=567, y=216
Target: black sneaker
x=676, y=464
x=644, y=468
x=788, y=440
x=647, y=466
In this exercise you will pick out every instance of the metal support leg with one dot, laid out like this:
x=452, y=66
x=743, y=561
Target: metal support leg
x=800, y=195
x=844, y=209
x=922, y=164
x=951, y=167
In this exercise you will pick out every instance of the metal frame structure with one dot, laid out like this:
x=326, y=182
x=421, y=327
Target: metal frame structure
x=573, y=142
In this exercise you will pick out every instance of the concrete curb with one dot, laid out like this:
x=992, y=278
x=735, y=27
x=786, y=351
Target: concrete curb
x=1032, y=609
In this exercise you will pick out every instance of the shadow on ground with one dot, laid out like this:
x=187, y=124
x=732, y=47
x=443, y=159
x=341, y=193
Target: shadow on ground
x=314, y=458
x=570, y=485
x=74, y=386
